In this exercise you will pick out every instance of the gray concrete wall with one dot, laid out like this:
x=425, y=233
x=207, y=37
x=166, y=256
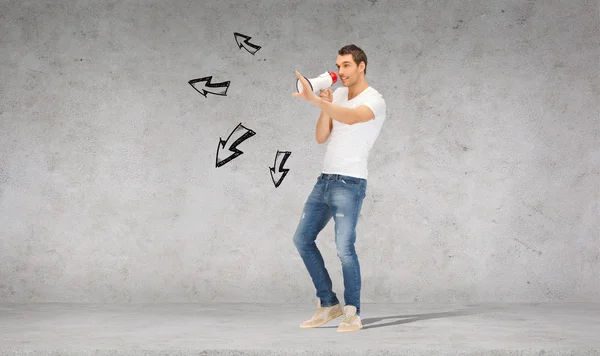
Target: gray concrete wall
x=483, y=184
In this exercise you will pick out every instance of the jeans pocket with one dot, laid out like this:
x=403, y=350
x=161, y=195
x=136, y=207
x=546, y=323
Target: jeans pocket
x=348, y=181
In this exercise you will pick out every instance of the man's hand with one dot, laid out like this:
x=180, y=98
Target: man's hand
x=307, y=93
x=326, y=94
x=332, y=110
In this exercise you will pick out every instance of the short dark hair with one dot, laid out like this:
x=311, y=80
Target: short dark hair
x=357, y=54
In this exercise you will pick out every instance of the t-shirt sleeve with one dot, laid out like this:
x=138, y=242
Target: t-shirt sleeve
x=377, y=104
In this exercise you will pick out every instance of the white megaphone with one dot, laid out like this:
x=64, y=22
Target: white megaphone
x=319, y=83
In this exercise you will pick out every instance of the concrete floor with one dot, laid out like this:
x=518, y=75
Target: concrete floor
x=259, y=329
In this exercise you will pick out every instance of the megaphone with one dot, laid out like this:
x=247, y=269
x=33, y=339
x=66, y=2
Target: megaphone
x=319, y=83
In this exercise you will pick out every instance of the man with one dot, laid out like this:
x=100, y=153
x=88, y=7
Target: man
x=351, y=118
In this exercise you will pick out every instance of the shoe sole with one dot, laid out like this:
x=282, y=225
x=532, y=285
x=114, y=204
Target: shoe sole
x=323, y=323
x=348, y=331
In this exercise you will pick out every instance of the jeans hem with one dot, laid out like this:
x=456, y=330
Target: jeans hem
x=332, y=304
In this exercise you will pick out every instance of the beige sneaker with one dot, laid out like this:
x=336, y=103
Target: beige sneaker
x=323, y=315
x=351, y=321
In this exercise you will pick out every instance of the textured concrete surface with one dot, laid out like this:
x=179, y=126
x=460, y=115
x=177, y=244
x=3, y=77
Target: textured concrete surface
x=484, y=183
x=389, y=329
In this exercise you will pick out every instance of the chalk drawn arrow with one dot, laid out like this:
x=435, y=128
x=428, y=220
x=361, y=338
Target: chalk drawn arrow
x=245, y=44
x=221, y=86
x=278, y=174
x=237, y=136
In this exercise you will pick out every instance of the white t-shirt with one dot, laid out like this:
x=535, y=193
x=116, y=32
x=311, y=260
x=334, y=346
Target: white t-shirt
x=349, y=145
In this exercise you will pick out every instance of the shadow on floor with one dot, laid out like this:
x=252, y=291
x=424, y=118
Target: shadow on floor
x=372, y=323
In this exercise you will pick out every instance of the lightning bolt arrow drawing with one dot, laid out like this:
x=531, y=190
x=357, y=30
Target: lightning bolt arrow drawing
x=237, y=136
x=208, y=84
x=283, y=155
x=245, y=43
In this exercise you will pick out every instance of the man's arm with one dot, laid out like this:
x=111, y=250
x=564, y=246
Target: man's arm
x=348, y=116
x=323, y=128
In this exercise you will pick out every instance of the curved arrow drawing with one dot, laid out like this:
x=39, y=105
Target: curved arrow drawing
x=237, y=36
x=237, y=136
x=208, y=84
x=274, y=174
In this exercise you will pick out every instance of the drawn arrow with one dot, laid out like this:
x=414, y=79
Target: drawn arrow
x=208, y=84
x=274, y=174
x=237, y=136
x=245, y=42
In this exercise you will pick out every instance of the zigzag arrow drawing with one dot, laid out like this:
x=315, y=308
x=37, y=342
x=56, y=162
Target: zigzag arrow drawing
x=237, y=136
x=283, y=155
x=208, y=84
x=254, y=49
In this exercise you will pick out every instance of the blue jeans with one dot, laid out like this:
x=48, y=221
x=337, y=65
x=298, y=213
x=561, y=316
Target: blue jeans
x=340, y=197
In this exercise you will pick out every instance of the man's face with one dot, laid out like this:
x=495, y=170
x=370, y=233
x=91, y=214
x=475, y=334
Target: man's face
x=348, y=71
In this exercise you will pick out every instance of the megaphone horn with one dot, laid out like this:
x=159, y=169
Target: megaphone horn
x=319, y=83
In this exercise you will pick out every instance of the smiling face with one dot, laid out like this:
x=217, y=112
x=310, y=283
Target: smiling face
x=348, y=72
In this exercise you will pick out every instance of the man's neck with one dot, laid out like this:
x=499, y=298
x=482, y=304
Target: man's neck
x=357, y=89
